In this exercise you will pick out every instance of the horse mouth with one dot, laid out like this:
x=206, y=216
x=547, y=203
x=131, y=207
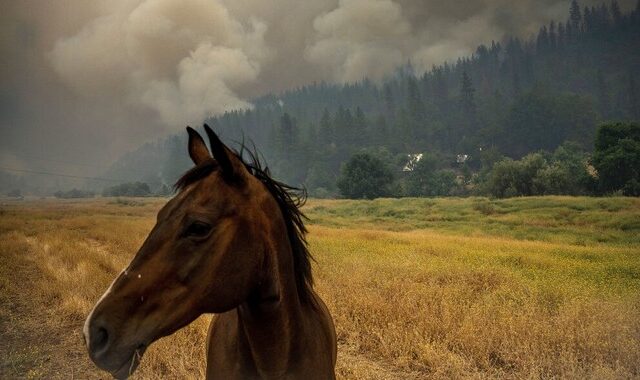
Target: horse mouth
x=129, y=366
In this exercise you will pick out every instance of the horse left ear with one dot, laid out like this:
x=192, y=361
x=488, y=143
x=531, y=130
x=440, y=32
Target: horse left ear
x=223, y=155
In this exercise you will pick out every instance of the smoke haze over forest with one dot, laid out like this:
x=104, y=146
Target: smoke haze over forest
x=84, y=82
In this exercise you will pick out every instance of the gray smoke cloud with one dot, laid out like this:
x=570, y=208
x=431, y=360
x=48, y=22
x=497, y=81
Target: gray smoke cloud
x=185, y=60
x=89, y=80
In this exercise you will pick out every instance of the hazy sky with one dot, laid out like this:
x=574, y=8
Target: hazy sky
x=84, y=81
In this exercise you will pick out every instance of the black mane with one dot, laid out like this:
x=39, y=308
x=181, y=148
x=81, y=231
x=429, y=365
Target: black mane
x=289, y=199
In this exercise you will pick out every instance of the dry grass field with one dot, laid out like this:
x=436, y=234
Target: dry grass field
x=419, y=288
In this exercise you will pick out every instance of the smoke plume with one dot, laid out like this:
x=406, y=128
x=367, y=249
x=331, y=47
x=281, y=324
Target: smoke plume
x=93, y=79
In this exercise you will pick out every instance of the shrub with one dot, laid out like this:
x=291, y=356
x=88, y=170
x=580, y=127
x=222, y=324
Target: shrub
x=73, y=194
x=617, y=158
x=132, y=189
x=563, y=172
x=426, y=180
x=321, y=193
x=484, y=206
x=364, y=176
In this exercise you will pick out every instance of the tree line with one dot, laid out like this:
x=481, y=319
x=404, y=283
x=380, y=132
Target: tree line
x=612, y=168
x=509, y=99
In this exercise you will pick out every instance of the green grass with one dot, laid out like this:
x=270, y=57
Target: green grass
x=573, y=220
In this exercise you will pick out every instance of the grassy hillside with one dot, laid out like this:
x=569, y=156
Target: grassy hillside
x=437, y=288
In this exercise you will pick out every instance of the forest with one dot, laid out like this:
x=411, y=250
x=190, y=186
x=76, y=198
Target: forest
x=531, y=100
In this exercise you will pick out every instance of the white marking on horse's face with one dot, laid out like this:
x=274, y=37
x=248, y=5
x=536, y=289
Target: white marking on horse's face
x=139, y=276
x=85, y=329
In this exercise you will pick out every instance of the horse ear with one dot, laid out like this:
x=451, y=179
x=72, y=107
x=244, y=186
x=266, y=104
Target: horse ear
x=197, y=148
x=222, y=154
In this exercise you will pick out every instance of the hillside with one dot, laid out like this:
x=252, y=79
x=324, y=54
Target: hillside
x=509, y=98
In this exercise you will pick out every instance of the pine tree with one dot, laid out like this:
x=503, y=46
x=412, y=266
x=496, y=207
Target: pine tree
x=441, y=89
x=634, y=104
x=569, y=31
x=616, y=13
x=560, y=41
x=380, y=132
x=359, y=129
x=343, y=125
x=288, y=135
x=603, y=95
x=467, y=102
x=553, y=39
x=389, y=103
x=326, y=132
x=416, y=110
x=517, y=89
x=587, y=25
x=467, y=94
x=575, y=16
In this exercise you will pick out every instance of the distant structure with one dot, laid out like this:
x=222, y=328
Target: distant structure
x=462, y=158
x=413, y=161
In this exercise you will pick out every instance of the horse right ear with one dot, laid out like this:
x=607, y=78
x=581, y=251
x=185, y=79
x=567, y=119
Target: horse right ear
x=197, y=148
x=232, y=172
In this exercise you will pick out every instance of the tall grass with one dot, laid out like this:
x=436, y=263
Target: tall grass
x=419, y=288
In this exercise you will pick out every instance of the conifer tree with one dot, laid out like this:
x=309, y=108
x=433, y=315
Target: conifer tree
x=575, y=16
x=603, y=95
x=634, y=104
x=467, y=98
x=553, y=37
x=388, y=100
x=359, y=129
x=288, y=135
x=325, y=132
x=616, y=14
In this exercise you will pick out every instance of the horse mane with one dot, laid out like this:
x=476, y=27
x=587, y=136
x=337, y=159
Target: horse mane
x=289, y=199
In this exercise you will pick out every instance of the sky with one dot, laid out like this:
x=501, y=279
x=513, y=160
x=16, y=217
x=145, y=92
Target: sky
x=83, y=82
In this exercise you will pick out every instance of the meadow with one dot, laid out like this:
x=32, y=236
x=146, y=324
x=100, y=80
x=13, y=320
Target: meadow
x=542, y=287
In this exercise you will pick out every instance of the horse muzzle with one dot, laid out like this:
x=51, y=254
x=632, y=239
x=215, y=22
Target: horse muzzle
x=109, y=353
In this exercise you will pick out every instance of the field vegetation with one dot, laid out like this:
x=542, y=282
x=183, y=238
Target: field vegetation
x=543, y=287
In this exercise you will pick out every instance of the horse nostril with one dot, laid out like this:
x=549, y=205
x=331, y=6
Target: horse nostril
x=99, y=340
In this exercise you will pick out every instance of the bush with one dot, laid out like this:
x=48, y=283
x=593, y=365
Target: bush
x=484, y=206
x=563, y=172
x=73, y=194
x=617, y=158
x=552, y=180
x=319, y=176
x=426, y=180
x=132, y=189
x=321, y=193
x=163, y=191
x=364, y=176
x=502, y=179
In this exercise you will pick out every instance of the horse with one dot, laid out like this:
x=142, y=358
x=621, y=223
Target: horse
x=230, y=242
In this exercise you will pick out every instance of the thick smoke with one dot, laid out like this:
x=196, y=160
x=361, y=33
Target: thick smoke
x=360, y=37
x=97, y=78
x=188, y=59
x=184, y=59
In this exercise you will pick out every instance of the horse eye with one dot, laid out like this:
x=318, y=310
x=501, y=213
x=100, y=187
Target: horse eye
x=197, y=229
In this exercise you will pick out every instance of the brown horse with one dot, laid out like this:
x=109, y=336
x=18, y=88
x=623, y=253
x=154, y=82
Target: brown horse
x=230, y=242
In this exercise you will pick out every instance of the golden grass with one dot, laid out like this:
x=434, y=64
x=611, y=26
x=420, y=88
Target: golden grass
x=447, y=288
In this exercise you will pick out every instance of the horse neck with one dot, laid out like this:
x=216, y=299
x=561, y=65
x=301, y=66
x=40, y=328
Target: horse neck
x=271, y=327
